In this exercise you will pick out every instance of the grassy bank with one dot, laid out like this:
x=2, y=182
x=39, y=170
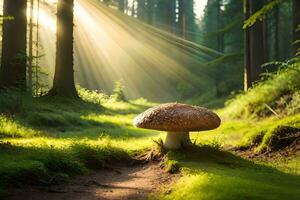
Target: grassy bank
x=262, y=120
x=210, y=173
x=46, y=141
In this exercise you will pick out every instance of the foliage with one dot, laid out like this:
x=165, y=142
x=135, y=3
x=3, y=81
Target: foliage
x=95, y=96
x=259, y=15
x=118, y=93
x=280, y=91
x=50, y=140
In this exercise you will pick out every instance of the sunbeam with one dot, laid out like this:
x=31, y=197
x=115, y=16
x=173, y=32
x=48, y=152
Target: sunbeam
x=111, y=46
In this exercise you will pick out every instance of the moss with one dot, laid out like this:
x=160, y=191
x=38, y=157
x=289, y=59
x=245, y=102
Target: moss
x=279, y=138
x=279, y=88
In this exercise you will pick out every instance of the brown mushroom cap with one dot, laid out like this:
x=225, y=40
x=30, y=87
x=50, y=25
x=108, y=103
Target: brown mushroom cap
x=177, y=117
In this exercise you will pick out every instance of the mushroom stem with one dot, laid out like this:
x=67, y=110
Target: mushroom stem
x=177, y=140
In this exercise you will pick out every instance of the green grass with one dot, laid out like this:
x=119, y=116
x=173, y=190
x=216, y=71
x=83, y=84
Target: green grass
x=209, y=173
x=245, y=133
x=46, y=141
x=280, y=92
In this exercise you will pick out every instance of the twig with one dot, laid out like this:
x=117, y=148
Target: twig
x=273, y=111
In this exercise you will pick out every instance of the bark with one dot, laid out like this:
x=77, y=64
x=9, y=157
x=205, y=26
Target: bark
x=30, y=45
x=13, y=59
x=247, y=64
x=182, y=18
x=63, y=84
x=254, y=45
x=133, y=9
x=296, y=22
x=150, y=11
x=141, y=10
x=220, y=44
x=121, y=5
x=276, y=24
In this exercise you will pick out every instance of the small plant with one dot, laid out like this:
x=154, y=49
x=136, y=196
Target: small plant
x=37, y=77
x=12, y=101
x=118, y=92
x=172, y=166
x=95, y=96
x=278, y=92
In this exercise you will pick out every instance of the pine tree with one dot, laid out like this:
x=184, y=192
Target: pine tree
x=63, y=84
x=141, y=10
x=254, y=45
x=186, y=18
x=166, y=20
x=121, y=5
x=13, y=59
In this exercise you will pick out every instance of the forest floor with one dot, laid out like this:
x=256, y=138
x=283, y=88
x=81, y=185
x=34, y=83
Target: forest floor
x=77, y=149
x=132, y=182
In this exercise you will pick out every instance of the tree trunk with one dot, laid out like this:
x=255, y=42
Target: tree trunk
x=30, y=52
x=220, y=45
x=121, y=5
x=247, y=61
x=182, y=18
x=150, y=11
x=254, y=45
x=13, y=60
x=296, y=22
x=63, y=84
x=276, y=25
x=141, y=10
x=133, y=9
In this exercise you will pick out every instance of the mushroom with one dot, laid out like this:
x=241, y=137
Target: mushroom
x=177, y=120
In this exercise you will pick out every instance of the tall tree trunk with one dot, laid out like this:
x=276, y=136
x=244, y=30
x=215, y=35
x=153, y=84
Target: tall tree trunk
x=121, y=5
x=182, y=7
x=254, y=45
x=13, y=60
x=247, y=61
x=276, y=38
x=220, y=44
x=141, y=10
x=63, y=84
x=296, y=22
x=150, y=11
x=133, y=8
x=30, y=46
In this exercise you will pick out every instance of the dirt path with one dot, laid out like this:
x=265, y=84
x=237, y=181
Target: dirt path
x=134, y=182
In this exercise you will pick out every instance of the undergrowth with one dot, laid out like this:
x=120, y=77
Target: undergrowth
x=46, y=141
x=278, y=95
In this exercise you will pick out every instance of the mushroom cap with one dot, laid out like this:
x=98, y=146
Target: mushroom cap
x=176, y=117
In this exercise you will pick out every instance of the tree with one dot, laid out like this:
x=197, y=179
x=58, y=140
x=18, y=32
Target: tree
x=254, y=44
x=150, y=11
x=63, y=84
x=186, y=18
x=141, y=10
x=166, y=20
x=30, y=51
x=13, y=59
x=296, y=22
x=121, y=5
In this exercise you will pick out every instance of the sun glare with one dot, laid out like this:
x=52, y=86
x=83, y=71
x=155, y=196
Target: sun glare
x=46, y=20
x=109, y=47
